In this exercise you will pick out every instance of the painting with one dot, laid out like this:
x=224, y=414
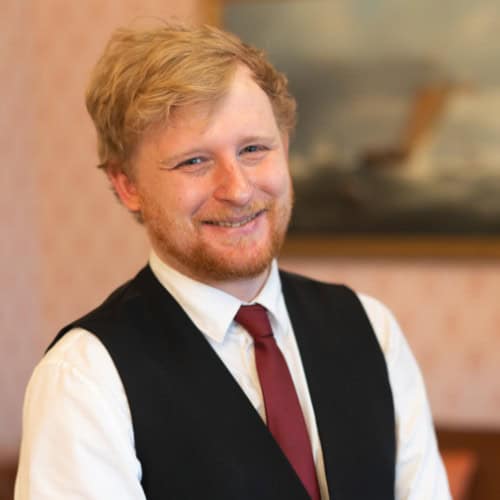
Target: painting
x=398, y=132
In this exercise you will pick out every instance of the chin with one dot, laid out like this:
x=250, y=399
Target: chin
x=209, y=260
x=241, y=266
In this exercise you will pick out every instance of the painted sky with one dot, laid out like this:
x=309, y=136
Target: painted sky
x=461, y=34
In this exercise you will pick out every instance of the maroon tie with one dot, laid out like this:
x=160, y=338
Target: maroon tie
x=283, y=413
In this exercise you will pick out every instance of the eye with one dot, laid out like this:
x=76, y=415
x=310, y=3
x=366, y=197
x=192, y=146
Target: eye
x=197, y=160
x=189, y=164
x=197, y=165
x=254, y=148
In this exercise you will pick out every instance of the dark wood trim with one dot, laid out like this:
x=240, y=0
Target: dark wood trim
x=392, y=246
x=7, y=479
x=486, y=446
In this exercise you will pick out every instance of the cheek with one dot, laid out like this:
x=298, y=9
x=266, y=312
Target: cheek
x=189, y=199
x=276, y=181
x=174, y=194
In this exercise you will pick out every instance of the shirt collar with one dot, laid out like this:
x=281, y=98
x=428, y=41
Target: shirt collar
x=211, y=309
x=271, y=297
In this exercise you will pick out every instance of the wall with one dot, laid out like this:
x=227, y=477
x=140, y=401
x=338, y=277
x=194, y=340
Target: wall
x=449, y=312
x=59, y=222
x=20, y=308
x=66, y=242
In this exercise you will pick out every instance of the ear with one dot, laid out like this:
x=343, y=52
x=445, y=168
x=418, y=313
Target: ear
x=126, y=189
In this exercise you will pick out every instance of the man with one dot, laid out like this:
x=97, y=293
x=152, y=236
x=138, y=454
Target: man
x=181, y=385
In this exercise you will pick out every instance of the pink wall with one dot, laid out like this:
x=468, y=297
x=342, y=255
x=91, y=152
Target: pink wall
x=449, y=312
x=19, y=244
x=67, y=243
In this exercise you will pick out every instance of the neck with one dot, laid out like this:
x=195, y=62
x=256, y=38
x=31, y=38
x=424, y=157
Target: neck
x=245, y=289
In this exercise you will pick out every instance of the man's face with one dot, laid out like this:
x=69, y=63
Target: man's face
x=214, y=187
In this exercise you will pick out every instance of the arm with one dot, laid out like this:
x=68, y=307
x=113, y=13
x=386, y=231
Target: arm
x=419, y=469
x=77, y=432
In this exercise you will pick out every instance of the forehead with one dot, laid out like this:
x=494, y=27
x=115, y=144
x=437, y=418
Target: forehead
x=243, y=113
x=243, y=103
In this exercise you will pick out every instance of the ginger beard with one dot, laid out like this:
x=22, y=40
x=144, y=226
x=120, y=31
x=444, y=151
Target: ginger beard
x=212, y=261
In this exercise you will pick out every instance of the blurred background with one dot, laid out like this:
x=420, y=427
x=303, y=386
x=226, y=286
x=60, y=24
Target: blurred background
x=399, y=111
x=66, y=242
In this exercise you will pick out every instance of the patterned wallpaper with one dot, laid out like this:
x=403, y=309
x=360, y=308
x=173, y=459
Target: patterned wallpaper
x=19, y=245
x=449, y=312
x=66, y=242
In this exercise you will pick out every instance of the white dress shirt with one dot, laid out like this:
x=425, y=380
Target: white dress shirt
x=78, y=440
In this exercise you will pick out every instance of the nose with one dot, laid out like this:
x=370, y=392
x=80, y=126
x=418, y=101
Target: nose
x=233, y=184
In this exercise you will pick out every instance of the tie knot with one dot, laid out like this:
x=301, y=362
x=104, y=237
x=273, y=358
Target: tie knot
x=255, y=320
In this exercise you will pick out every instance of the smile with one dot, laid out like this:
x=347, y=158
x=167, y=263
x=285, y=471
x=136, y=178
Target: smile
x=236, y=223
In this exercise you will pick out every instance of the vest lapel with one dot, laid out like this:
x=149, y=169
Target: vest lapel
x=197, y=435
x=348, y=383
x=204, y=386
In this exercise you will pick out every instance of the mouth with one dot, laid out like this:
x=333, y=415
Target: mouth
x=235, y=222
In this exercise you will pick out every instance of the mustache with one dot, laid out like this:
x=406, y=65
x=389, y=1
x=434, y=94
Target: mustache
x=237, y=213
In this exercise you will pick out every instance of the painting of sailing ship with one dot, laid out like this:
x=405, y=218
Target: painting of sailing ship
x=398, y=108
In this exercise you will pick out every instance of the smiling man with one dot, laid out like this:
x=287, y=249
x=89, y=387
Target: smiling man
x=213, y=187
x=213, y=374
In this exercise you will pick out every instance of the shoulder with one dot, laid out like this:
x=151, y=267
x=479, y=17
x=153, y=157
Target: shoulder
x=384, y=324
x=78, y=362
x=381, y=318
x=118, y=309
x=75, y=419
x=303, y=286
x=78, y=349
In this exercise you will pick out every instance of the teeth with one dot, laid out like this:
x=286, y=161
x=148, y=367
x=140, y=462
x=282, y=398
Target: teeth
x=233, y=224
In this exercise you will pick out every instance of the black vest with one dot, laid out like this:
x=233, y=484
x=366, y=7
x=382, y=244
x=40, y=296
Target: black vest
x=197, y=435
